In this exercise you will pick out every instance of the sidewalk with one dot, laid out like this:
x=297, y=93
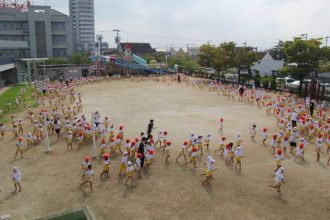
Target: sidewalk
x=4, y=89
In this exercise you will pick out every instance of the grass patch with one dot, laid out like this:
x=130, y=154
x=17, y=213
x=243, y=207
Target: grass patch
x=10, y=95
x=77, y=215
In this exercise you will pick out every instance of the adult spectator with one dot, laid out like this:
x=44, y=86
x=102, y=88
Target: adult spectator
x=311, y=107
x=141, y=149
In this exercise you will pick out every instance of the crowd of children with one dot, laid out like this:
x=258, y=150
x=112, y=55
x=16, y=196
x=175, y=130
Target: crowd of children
x=59, y=113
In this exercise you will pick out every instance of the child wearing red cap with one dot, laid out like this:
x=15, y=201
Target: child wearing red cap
x=183, y=151
x=138, y=164
x=84, y=167
x=89, y=175
x=103, y=147
x=264, y=135
x=106, y=166
x=128, y=146
x=220, y=126
x=118, y=143
x=221, y=145
x=285, y=143
x=167, y=150
x=164, y=140
x=299, y=152
x=193, y=157
x=279, y=157
x=19, y=145
x=132, y=150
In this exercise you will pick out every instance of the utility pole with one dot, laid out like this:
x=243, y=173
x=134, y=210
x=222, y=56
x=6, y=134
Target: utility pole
x=244, y=44
x=326, y=41
x=117, y=39
x=304, y=35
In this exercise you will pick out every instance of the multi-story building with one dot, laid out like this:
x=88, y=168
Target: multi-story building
x=38, y=32
x=82, y=13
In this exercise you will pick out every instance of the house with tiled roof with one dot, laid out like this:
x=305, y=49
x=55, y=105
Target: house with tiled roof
x=140, y=49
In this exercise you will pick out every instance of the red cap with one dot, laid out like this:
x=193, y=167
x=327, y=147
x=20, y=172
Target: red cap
x=132, y=144
x=223, y=138
x=301, y=146
x=168, y=143
x=320, y=135
x=311, y=126
x=227, y=146
x=128, y=140
x=136, y=139
x=106, y=156
x=87, y=159
x=121, y=127
x=221, y=119
x=185, y=143
x=151, y=152
x=139, y=155
x=286, y=138
x=279, y=151
x=20, y=138
x=118, y=136
x=194, y=149
x=165, y=132
x=112, y=140
x=103, y=141
x=264, y=130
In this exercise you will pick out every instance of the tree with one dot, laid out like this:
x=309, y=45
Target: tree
x=277, y=52
x=183, y=61
x=79, y=59
x=244, y=58
x=206, y=55
x=56, y=61
x=305, y=56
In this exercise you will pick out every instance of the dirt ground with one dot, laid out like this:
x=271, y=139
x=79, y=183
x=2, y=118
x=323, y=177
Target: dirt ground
x=51, y=182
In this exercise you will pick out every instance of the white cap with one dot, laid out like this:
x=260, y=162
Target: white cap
x=129, y=163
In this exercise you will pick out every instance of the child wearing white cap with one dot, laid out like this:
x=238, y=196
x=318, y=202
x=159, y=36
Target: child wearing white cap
x=279, y=178
x=129, y=172
x=209, y=171
x=17, y=176
x=123, y=164
x=238, y=156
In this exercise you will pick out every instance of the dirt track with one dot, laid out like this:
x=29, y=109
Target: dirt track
x=170, y=191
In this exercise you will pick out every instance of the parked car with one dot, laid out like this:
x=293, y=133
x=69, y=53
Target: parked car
x=294, y=85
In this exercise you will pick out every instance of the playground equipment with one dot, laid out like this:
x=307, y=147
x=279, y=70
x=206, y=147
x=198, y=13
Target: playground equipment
x=131, y=62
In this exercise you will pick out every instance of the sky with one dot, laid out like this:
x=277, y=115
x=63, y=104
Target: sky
x=178, y=23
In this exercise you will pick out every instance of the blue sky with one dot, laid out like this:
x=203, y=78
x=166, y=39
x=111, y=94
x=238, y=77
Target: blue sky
x=176, y=23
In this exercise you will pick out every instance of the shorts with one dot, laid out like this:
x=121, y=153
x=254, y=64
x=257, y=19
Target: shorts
x=293, y=144
x=57, y=131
